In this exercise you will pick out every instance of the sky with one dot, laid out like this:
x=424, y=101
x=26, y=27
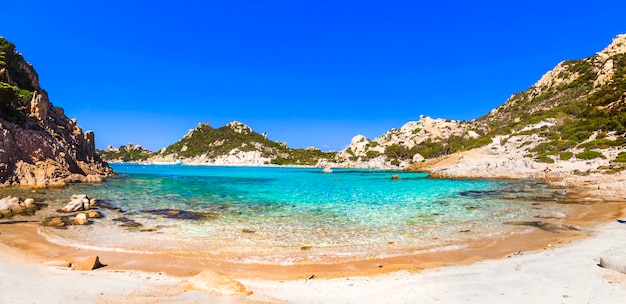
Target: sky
x=308, y=73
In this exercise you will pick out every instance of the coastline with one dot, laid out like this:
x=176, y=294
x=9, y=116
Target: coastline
x=26, y=254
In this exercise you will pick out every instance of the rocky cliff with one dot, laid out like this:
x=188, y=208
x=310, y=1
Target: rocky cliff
x=39, y=145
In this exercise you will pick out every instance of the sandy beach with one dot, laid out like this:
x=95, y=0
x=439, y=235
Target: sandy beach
x=557, y=274
x=545, y=264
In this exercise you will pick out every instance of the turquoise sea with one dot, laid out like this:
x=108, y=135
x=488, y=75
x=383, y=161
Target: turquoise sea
x=281, y=214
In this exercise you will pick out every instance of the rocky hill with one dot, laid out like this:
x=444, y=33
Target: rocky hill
x=575, y=113
x=413, y=142
x=127, y=153
x=575, y=110
x=232, y=144
x=39, y=145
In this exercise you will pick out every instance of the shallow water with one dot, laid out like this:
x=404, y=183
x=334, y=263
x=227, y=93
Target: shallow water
x=285, y=215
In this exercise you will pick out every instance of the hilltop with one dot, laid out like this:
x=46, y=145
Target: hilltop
x=232, y=144
x=39, y=145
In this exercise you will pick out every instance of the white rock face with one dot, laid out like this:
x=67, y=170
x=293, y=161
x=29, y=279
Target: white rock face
x=239, y=127
x=362, y=152
x=235, y=157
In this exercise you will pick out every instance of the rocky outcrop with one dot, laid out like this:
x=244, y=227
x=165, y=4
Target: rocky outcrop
x=10, y=206
x=365, y=153
x=78, y=202
x=39, y=145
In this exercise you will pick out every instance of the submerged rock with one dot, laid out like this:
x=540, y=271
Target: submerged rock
x=551, y=214
x=549, y=227
x=54, y=222
x=126, y=222
x=180, y=214
x=94, y=214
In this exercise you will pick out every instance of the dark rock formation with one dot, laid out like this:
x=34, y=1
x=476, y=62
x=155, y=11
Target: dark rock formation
x=39, y=145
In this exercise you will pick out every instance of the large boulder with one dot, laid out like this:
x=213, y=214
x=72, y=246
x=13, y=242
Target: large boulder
x=81, y=219
x=6, y=204
x=78, y=202
x=10, y=206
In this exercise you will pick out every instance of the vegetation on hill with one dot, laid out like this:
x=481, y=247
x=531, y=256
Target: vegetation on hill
x=129, y=153
x=235, y=136
x=14, y=98
x=577, y=102
x=432, y=148
x=210, y=143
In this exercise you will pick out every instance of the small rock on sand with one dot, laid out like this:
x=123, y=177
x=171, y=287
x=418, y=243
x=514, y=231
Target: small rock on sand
x=215, y=283
x=614, y=260
x=91, y=263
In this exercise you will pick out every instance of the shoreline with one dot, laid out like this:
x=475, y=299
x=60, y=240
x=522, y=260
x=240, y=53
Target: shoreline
x=593, y=205
x=152, y=281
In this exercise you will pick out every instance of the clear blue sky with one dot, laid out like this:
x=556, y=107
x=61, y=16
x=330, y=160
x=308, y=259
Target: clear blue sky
x=309, y=73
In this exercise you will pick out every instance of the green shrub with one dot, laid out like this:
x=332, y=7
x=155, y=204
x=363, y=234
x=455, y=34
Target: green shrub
x=371, y=154
x=603, y=143
x=621, y=158
x=590, y=155
x=567, y=155
x=544, y=159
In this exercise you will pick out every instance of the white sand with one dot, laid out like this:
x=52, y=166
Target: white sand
x=563, y=274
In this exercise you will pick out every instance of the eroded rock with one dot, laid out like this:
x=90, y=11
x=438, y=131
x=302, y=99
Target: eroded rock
x=78, y=202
